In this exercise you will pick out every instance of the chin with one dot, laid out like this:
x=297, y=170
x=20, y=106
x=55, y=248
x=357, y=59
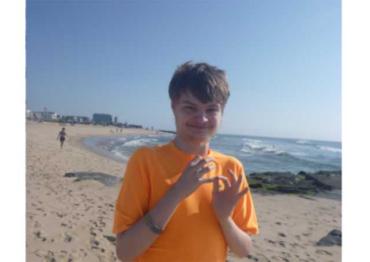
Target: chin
x=201, y=137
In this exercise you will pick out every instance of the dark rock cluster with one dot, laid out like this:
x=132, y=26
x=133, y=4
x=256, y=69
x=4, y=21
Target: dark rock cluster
x=103, y=178
x=334, y=237
x=301, y=183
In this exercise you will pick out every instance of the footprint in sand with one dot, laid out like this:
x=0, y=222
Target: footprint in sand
x=253, y=257
x=92, y=233
x=60, y=214
x=50, y=257
x=294, y=245
x=67, y=238
x=271, y=241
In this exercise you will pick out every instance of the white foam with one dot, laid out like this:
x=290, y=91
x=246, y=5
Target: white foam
x=255, y=146
x=298, y=153
x=330, y=149
x=139, y=142
x=302, y=141
x=119, y=155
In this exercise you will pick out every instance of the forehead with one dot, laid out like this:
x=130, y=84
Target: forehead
x=188, y=98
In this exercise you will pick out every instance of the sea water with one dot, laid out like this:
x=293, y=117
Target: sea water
x=258, y=154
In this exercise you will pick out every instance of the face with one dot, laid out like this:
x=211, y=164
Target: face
x=196, y=121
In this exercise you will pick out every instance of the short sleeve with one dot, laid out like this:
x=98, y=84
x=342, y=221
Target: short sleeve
x=244, y=213
x=132, y=201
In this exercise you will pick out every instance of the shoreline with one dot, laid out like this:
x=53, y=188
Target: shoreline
x=107, y=154
x=71, y=219
x=265, y=182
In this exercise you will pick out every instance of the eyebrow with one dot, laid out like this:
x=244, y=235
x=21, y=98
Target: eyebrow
x=188, y=102
x=193, y=104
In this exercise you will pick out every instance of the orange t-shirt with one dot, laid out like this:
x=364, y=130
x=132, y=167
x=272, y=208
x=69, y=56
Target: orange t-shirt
x=193, y=232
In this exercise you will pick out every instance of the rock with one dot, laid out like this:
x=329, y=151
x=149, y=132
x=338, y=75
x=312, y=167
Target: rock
x=334, y=237
x=327, y=180
x=111, y=239
x=70, y=175
x=301, y=183
x=103, y=178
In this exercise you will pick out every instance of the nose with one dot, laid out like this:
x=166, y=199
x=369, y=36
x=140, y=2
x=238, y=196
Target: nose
x=202, y=117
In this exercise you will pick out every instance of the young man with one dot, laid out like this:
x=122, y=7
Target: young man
x=183, y=201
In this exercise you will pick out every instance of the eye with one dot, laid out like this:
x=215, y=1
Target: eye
x=189, y=108
x=212, y=110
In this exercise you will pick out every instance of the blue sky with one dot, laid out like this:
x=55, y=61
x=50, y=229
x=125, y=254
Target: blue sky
x=282, y=59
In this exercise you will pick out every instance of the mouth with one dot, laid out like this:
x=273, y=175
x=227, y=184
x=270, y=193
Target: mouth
x=199, y=127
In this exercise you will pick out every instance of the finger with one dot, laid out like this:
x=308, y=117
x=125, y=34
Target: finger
x=227, y=183
x=198, y=163
x=233, y=176
x=203, y=170
x=216, y=185
x=213, y=179
x=202, y=162
x=244, y=191
x=207, y=180
x=216, y=188
x=195, y=161
x=239, y=181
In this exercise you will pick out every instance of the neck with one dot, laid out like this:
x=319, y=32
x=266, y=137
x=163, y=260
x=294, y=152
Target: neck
x=193, y=148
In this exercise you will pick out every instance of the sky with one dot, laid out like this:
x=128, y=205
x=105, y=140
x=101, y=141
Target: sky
x=282, y=59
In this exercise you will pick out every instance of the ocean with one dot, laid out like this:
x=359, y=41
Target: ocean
x=258, y=154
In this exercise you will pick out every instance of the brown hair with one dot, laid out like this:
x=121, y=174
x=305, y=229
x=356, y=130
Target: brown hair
x=207, y=83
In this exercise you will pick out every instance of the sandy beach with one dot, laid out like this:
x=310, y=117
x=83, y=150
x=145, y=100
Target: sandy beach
x=69, y=220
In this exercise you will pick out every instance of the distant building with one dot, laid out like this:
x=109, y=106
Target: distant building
x=134, y=126
x=102, y=119
x=83, y=119
x=75, y=119
x=43, y=116
x=115, y=120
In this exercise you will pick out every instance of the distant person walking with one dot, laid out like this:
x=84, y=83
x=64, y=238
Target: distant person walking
x=62, y=136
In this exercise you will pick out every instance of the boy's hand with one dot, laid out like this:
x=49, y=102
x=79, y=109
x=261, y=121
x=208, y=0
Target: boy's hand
x=191, y=178
x=224, y=201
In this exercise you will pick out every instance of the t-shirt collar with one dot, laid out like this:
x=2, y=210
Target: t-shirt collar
x=184, y=155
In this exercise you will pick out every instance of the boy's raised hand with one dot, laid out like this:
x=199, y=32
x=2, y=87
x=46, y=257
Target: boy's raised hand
x=224, y=201
x=191, y=178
